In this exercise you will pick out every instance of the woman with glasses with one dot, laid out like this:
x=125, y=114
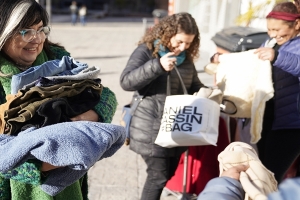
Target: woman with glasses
x=24, y=44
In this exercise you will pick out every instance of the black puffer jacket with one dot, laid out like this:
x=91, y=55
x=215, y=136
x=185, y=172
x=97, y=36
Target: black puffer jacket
x=144, y=70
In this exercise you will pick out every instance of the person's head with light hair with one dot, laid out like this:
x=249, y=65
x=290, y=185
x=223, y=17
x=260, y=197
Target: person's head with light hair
x=24, y=32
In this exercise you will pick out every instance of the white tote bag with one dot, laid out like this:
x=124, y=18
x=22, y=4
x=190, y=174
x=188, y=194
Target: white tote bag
x=188, y=120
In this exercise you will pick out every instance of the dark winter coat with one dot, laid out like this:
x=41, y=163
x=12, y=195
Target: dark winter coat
x=144, y=71
x=286, y=70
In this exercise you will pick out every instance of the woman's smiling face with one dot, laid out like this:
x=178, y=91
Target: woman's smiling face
x=21, y=52
x=281, y=31
x=180, y=42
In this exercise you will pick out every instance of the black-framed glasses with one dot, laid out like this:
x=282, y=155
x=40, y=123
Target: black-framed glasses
x=29, y=34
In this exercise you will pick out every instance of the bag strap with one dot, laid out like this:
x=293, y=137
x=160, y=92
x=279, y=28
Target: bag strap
x=138, y=99
x=181, y=82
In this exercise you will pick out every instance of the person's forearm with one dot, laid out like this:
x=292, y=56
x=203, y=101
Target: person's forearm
x=222, y=188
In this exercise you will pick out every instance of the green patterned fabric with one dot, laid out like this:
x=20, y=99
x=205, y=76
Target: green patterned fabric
x=7, y=68
x=4, y=189
x=27, y=173
x=72, y=192
x=107, y=106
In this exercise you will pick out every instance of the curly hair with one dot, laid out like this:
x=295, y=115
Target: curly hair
x=168, y=27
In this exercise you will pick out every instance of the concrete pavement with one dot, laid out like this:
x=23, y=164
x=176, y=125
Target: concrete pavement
x=108, y=43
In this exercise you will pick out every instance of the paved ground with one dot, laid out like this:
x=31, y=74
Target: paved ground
x=108, y=43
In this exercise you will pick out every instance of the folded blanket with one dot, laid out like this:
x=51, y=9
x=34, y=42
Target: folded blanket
x=75, y=146
x=246, y=81
x=257, y=180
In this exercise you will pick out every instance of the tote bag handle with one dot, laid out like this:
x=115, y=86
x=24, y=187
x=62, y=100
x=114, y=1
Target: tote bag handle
x=181, y=82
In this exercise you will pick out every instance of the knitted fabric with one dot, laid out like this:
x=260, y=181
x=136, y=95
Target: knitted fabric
x=58, y=53
x=4, y=189
x=21, y=173
x=107, y=106
x=73, y=192
x=7, y=68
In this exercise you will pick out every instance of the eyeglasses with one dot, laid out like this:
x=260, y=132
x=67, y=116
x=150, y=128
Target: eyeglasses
x=29, y=34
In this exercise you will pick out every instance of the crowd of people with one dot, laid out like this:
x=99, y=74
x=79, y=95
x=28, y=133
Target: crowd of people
x=78, y=11
x=173, y=41
x=278, y=147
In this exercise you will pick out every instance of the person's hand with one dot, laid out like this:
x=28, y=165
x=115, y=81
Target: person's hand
x=234, y=172
x=265, y=53
x=215, y=58
x=90, y=115
x=168, y=62
x=47, y=167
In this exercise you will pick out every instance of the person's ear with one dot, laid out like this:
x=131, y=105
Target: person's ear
x=297, y=24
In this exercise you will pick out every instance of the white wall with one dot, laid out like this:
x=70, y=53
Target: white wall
x=211, y=16
x=260, y=22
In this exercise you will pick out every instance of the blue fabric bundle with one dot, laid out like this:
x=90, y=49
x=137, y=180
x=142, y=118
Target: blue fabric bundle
x=66, y=66
x=75, y=146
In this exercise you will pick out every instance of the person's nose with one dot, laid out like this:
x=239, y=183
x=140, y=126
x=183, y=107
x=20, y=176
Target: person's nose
x=182, y=47
x=273, y=34
x=37, y=38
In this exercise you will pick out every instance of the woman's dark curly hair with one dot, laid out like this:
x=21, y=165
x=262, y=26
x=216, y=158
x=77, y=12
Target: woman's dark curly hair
x=288, y=7
x=170, y=26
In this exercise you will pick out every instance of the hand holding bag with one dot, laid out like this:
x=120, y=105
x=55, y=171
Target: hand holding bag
x=188, y=120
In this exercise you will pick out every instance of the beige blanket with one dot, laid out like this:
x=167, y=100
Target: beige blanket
x=257, y=180
x=246, y=80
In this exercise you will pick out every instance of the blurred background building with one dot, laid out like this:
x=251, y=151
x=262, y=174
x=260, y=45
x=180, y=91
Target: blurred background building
x=112, y=7
x=211, y=15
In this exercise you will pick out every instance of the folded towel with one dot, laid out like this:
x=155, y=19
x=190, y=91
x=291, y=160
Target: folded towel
x=75, y=146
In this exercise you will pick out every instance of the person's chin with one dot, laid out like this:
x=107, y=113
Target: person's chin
x=281, y=42
x=177, y=53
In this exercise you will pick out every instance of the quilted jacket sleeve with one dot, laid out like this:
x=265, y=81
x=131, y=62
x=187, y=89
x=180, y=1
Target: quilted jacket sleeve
x=222, y=188
x=140, y=70
x=288, y=58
